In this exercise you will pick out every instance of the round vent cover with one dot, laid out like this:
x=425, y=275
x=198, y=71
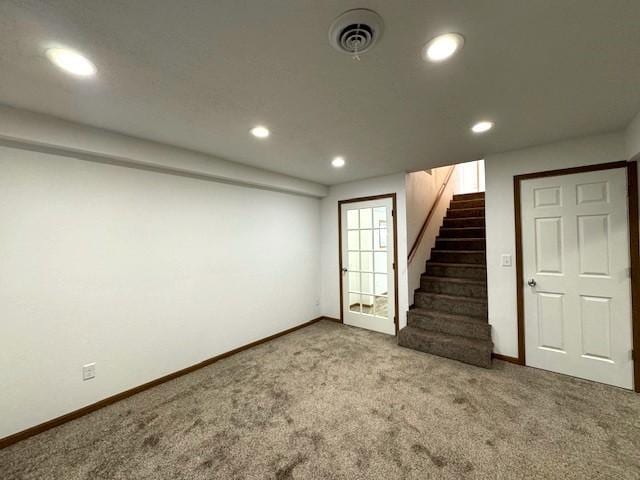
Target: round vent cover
x=355, y=31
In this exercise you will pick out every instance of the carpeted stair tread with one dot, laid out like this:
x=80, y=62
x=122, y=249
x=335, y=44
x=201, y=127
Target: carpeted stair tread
x=443, y=243
x=463, y=232
x=468, y=203
x=453, y=264
x=468, y=342
x=459, y=280
x=467, y=350
x=423, y=312
x=464, y=287
x=477, y=271
x=464, y=222
x=458, y=298
x=472, y=306
x=466, y=212
x=468, y=196
x=461, y=239
x=460, y=325
x=476, y=257
x=457, y=251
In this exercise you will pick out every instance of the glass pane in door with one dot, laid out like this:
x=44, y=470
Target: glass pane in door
x=380, y=259
x=379, y=217
x=381, y=307
x=380, y=284
x=366, y=240
x=380, y=239
x=352, y=220
x=365, y=218
x=366, y=264
x=366, y=284
x=354, y=302
x=353, y=240
x=354, y=261
x=354, y=282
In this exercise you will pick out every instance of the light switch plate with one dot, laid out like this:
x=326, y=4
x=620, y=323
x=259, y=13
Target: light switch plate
x=506, y=260
x=88, y=371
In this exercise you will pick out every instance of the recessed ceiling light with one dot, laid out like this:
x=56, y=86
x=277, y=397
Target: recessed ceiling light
x=71, y=61
x=442, y=47
x=338, y=162
x=260, y=132
x=482, y=127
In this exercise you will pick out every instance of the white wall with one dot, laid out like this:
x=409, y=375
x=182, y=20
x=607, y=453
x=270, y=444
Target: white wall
x=330, y=280
x=633, y=138
x=143, y=272
x=470, y=177
x=421, y=191
x=500, y=222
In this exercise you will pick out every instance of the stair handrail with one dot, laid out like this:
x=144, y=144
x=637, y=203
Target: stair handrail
x=432, y=210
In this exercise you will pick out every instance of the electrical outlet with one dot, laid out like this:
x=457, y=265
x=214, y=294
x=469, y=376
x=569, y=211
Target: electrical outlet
x=506, y=260
x=88, y=371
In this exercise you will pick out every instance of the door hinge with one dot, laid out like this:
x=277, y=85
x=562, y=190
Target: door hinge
x=393, y=266
x=393, y=212
x=633, y=355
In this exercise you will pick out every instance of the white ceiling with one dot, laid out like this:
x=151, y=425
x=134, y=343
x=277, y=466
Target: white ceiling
x=200, y=74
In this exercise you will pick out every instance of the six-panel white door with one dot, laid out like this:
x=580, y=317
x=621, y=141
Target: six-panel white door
x=368, y=294
x=576, y=265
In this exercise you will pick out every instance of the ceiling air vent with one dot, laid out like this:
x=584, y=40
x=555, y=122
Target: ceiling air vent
x=356, y=31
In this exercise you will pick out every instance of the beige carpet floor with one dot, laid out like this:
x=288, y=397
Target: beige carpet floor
x=333, y=402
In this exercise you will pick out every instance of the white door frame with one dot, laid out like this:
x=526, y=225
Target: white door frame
x=392, y=196
x=634, y=236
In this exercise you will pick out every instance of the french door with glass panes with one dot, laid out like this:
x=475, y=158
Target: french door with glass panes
x=368, y=279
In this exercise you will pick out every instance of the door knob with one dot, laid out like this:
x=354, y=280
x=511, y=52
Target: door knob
x=344, y=270
x=532, y=282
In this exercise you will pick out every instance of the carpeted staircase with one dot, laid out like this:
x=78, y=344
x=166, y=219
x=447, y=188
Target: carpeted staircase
x=449, y=317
